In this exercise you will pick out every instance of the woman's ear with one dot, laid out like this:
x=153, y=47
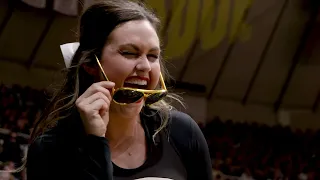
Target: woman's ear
x=91, y=70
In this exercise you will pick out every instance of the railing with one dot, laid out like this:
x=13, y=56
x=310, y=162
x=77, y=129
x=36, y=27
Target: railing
x=7, y=131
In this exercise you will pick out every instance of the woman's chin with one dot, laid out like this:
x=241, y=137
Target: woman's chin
x=139, y=104
x=130, y=109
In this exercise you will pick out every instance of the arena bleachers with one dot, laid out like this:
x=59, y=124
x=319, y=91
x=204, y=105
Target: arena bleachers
x=238, y=150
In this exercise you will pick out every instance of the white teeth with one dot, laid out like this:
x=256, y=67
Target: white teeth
x=137, y=81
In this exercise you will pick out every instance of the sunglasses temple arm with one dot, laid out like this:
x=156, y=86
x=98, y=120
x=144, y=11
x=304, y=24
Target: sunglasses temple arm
x=104, y=74
x=162, y=82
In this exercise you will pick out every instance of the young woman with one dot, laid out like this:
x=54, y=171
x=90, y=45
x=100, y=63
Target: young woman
x=111, y=119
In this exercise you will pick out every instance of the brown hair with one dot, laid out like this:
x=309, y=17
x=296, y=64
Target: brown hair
x=96, y=23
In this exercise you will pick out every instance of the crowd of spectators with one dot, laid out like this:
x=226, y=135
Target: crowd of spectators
x=253, y=151
x=238, y=150
x=19, y=107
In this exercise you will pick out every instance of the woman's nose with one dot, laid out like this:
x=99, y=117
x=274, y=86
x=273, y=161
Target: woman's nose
x=144, y=64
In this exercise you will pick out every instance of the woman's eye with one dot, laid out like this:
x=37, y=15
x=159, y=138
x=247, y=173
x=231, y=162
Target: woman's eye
x=128, y=54
x=153, y=57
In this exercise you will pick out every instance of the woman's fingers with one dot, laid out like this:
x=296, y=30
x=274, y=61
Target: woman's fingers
x=96, y=96
x=100, y=105
x=93, y=106
x=103, y=86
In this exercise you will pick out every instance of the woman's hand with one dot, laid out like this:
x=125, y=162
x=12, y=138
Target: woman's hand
x=93, y=106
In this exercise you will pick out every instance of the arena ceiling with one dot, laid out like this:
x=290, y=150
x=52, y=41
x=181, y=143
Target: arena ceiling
x=259, y=52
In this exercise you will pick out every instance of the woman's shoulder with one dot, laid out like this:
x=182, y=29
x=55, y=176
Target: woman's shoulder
x=63, y=135
x=177, y=120
x=182, y=122
x=180, y=116
x=42, y=149
x=44, y=141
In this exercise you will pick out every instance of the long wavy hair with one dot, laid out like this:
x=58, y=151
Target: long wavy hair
x=96, y=23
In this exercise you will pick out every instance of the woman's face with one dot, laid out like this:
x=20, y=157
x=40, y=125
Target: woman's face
x=130, y=57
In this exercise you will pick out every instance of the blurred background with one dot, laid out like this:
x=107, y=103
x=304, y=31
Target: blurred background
x=249, y=71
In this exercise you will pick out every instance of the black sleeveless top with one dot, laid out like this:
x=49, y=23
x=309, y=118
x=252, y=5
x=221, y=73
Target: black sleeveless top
x=162, y=159
x=180, y=152
x=164, y=163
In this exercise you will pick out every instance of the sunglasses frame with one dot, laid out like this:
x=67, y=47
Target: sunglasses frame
x=146, y=92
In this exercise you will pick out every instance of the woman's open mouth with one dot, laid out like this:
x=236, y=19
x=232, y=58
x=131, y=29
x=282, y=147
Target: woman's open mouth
x=136, y=82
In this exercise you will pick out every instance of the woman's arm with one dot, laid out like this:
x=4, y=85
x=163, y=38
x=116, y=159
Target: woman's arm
x=200, y=156
x=56, y=155
x=191, y=145
x=49, y=159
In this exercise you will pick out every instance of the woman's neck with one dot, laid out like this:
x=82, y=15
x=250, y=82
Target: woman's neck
x=121, y=128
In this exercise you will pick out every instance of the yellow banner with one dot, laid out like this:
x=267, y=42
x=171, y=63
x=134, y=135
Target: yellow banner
x=208, y=21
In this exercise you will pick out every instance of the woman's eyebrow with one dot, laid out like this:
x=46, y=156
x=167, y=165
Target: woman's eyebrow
x=135, y=47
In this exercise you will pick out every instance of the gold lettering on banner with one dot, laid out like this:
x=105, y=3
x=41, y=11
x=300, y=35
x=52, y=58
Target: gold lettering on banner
x=238, y=27
x=181, y=37
x=159, y=7
x=217, y=22
x=211, y=37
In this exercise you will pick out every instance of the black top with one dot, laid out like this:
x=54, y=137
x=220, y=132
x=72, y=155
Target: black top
x=180, y=152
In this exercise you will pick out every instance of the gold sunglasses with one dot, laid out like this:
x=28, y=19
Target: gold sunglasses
x=125, y=95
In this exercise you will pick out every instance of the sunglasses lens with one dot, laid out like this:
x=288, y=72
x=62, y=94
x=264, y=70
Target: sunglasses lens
x=127, y=96
x=153, y=98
